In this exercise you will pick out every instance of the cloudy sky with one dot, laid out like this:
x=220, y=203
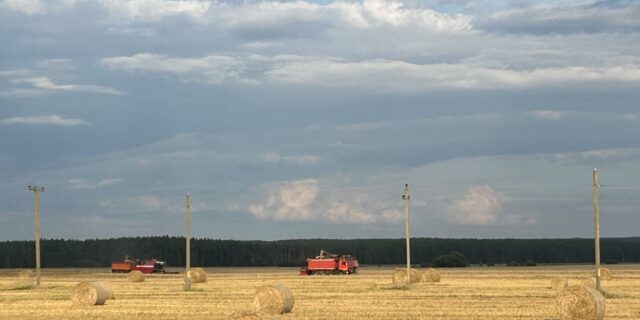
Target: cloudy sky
x=301, y=119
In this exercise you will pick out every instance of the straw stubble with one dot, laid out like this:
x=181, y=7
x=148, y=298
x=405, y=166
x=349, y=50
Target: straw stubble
x=252, y=315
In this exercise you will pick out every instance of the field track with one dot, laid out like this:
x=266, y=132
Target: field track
x=469, y=293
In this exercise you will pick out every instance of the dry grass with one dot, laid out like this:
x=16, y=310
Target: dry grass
x=251, y=315
x=26, y=274
x=478, y=293
x=393, y=286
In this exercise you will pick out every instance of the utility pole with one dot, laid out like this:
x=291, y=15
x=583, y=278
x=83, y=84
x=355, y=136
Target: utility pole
x=405, y=197
x=36, y=226
x=187, y=280
x=596, y=226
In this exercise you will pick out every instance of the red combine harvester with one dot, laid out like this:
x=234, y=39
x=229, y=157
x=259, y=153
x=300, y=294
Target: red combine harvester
x=142, y=265
x=328, y=263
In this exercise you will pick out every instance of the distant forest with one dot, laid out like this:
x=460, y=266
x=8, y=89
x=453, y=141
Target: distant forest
x=210, y=252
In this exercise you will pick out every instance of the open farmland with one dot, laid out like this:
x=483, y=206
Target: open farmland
x=470, y=293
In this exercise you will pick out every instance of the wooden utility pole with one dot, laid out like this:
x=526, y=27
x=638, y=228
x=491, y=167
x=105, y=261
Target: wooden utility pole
x=36, y=226
x=405, y=197
x=187, y=280
x=596, y=220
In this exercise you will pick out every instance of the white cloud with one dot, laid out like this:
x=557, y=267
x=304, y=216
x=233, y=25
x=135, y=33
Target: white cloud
x=86, y=184
x=394, y=75
x=343, y=212
x=37, y=84
x=29, y=7
x=46, y=84
x=52, y=119
x=365, y=14
x=566, y=17
x=256, y=45
x=289, y=201
x=603, y=154
x=265, y=14
x=38, y=7
x=148, y=203
x=596, y=154
x=392, y=13
x=301, y=201
x=631, y=117
x=154, y=10
x=210, y=69
x=276, y=157
x=108, y=203
x=481, y=205
x=22, y=92
x=546, y=114
x=376, y=74
x=131, y=32
x=21, y=73
x=359, y=212
x=152, y=203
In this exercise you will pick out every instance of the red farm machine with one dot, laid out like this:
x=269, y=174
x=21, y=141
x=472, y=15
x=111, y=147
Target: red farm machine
x=142, y=265
x=329, y=263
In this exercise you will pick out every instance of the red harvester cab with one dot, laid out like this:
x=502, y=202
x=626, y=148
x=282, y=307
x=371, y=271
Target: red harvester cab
x=142, y=265
x=328, y=263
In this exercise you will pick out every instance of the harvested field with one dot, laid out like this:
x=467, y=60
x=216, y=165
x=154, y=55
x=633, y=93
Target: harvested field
x=470, y=293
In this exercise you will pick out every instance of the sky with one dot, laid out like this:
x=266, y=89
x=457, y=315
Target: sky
x=305, y=119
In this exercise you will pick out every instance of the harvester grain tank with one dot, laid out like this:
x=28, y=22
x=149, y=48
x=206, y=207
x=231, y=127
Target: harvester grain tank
x=329, y=263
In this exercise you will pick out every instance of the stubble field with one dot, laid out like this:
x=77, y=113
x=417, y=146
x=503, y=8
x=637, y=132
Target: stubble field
x=469, y=293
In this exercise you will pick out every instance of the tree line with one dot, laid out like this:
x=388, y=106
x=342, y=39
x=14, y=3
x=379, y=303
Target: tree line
x=58, y=253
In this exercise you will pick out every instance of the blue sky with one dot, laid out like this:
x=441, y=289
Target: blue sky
x=304, y=119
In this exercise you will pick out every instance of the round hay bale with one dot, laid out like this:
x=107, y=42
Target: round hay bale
x=559, y=283
x=605, y=274
x=252, y=315
x=136, y=276
x=430, y=275
x=400, y=276
x=106, y=285
x=89, y=294
x=587, y=282
x=197, y=275
x=580, y=303
x=26, y=274
x=274, y=299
